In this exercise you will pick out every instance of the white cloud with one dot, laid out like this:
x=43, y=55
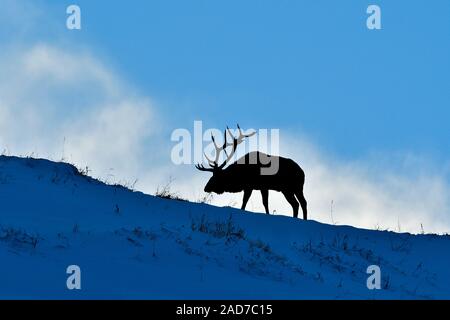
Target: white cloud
x=19, y=17
x=368, y=194
x=58, y=104
x=400, y=191
x=391, y=192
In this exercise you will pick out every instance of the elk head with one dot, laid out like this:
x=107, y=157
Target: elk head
x=217, y=183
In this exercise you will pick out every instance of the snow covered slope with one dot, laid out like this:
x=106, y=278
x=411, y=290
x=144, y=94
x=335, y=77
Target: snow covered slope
x=132, y=245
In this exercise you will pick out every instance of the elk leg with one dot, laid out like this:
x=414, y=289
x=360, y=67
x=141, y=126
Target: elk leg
x=290, y=197
x=303, y=203
x=247, y=194
x=265, y=199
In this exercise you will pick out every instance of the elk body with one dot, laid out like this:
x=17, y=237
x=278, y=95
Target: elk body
x=253, y=172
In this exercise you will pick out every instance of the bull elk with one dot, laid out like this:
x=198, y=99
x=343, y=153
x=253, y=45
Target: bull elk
x=246, y=174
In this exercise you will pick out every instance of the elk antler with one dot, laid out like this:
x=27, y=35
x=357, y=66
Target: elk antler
x=214, y=165
x=219, y=149
x=236, y=142
x=202, y=168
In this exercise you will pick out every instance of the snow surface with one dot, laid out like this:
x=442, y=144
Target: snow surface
x=130, y=245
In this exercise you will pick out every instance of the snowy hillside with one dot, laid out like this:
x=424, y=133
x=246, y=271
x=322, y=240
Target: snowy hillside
x=132, y=245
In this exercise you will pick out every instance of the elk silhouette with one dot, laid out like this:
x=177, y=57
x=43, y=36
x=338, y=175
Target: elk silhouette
x=246, y=174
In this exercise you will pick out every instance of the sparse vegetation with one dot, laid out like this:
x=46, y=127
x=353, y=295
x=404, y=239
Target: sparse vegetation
x=206, y=198
x=19, y=238
x=219, y=229
x=127, y=185
x=261, y=245
x=4, y=178
x=165, y=191
x=76, y=228
x=340, y=242
x=402, y=245
x=184, y=236
x=84, y=172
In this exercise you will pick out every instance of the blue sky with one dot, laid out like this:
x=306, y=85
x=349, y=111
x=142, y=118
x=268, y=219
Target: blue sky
x=307, y=65
x=310, y=68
